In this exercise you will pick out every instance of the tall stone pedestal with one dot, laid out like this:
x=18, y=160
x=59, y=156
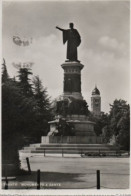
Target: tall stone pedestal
x=73, y=108
x=72, y=80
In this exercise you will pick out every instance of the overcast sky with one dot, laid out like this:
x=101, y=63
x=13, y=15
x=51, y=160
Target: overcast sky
x=104, y=50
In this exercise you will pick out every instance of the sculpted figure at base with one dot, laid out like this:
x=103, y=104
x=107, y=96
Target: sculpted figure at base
x=73, y=39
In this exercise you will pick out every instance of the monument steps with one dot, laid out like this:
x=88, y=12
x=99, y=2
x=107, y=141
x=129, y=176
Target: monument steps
x=55, y=148
x=70, y=148
x=60, y=151
x=68, y=145
x=74, y=145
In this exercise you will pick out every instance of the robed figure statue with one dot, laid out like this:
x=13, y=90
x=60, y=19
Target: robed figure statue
x=73, y=39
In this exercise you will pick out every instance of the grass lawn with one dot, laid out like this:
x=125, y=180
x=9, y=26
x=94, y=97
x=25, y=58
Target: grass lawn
x=71, y=173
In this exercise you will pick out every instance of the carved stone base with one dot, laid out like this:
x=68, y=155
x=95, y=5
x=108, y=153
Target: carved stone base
x=71, y=140
x=82, y=127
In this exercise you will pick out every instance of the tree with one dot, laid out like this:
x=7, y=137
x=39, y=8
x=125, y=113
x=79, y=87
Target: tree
x=10, y=97
x=117, y=111
x=118, y=126
x=123, y=138
x=24, y=81
x=106, y=133
x=5, y=75
x=43, y=106
x=11, y=122
x=24, y=114
x=19, y=121
x=100, y=122
x=41, y=96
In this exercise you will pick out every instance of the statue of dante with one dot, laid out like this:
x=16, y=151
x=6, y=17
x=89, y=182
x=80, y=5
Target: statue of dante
x=73, y=39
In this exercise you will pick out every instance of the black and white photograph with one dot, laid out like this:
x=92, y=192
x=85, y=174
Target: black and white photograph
x=65, y=85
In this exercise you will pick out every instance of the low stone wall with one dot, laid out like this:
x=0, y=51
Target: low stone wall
x=72, y=139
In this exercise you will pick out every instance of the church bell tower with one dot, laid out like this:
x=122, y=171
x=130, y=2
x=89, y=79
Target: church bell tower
x=96, y=102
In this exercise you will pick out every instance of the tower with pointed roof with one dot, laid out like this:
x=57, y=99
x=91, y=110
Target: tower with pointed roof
x=96, y=102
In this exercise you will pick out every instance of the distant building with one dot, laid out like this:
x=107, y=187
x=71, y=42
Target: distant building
x=96, y=102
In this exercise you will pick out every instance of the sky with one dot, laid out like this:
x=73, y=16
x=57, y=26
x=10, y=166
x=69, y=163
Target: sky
x=104, y=50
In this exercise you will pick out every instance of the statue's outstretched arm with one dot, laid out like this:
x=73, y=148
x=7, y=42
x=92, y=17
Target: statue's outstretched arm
x=59, y=28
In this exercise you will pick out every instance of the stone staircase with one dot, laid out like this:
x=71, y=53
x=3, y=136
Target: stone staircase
x=71, y=149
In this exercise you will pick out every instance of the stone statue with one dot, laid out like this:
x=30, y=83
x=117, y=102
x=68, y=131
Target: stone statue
x=73, y=39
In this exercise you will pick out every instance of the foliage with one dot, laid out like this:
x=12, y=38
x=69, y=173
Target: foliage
x=24, y=81
x=106, y=133
x=11, y=116
x=44, y=113
x=27, y=114
x=100, y=122
x=24, y=114
x=123, y=138
x=115, y=126
x=5, y=75
x=118, y=124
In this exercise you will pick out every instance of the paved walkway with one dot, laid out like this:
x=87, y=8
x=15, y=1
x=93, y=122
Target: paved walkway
x=80, y=173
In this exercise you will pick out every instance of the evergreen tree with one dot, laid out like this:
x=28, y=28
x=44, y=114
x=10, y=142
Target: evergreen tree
x=41, y=96
x=24, y=115
x=5, y=75
x=18, y=121
x=24, y=81
x=43, y=106
x=11, y=121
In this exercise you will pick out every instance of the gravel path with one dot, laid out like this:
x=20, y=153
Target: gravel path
x=71, y=173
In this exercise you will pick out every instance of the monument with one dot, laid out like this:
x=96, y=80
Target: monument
x=71, y=131
x=71, y=106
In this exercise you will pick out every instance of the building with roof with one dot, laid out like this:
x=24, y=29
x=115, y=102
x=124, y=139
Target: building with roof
x=96, y=102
